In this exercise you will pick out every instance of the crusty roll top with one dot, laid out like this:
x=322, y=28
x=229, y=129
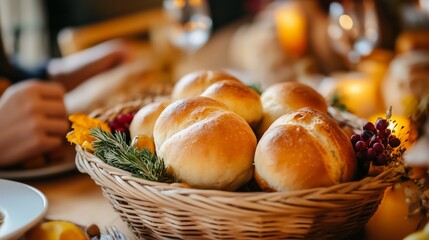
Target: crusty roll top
x=293, y=96
x=239, y=98
x=183, y=113
x=193, y=84
x=285, y=97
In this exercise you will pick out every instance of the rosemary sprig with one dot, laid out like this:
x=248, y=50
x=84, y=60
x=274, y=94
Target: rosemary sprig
x=113, y=150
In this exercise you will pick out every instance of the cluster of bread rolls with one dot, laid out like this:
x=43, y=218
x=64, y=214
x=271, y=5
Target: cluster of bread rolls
x=207, y=135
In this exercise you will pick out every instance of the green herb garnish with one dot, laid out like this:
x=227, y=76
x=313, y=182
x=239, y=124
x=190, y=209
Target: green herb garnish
x=335, y=101
x=114, y=150
x=256, y=88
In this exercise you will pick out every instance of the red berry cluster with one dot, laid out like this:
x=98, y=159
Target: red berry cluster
x=373, y=144
x=122, y=124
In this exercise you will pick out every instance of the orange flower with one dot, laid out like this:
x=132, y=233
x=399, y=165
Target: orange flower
x=81, y=125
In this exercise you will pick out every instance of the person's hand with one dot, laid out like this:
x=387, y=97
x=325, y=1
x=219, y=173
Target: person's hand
x=33, y=120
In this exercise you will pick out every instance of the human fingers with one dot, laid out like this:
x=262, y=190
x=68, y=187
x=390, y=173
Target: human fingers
x=39, y=124
x=49, y=90
x=56, y=126
x=42, y=98
x=13, y=152
x=50, y=108
x=36, y=88
x=49, y=126
x=42, y=143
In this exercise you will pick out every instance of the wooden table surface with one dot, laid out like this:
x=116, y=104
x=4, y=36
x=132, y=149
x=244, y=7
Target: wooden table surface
x=75, y=197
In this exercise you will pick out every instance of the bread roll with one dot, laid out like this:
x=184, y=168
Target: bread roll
x=141, y=127
x=193, y=84
x=303, y=149
x=144, y=120
x=285, y=97
x=239, y=98
x=204, y=144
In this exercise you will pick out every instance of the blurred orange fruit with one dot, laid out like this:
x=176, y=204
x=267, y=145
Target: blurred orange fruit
x=143, y=141
x=56, y=230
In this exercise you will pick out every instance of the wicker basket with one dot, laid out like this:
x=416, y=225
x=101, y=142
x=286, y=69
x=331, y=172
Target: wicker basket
x=165, y=211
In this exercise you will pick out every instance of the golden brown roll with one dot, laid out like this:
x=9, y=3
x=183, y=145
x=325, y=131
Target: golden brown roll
x=239, y=98
x=303, y=149
x=204, y=144
x=144, y=120
x=194, y=83
x=285, y=97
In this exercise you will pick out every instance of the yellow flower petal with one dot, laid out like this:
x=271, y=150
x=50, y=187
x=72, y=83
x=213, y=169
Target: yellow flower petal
x=87, y=146
x=81, y=125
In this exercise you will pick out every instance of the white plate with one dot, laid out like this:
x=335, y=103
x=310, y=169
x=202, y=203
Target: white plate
x=22, y=206
x=64, y=165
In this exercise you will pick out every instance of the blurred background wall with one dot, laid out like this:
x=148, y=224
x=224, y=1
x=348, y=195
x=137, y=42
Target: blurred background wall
x=30, y=27
x=25, y=32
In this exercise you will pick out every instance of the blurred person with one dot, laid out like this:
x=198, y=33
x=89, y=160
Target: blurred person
x=35, y=95
x=33, y=116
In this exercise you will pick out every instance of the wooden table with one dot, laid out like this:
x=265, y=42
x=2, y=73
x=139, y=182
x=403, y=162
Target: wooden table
x=75, y=197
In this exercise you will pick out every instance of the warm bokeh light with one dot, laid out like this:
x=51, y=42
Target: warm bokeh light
x=346, y=22
x=390, y=221
x=355, y=87
x=401, y=126
x=291, y=29
x=358, y=93
x=179, y=3
x=195, y=2
x=424, y=5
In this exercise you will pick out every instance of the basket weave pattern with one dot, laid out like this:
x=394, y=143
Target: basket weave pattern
x=155, y=210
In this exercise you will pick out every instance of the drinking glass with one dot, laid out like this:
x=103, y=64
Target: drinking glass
x=190, y=23
x=353, y=28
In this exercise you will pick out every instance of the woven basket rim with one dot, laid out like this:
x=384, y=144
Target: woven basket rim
x=389, y=177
